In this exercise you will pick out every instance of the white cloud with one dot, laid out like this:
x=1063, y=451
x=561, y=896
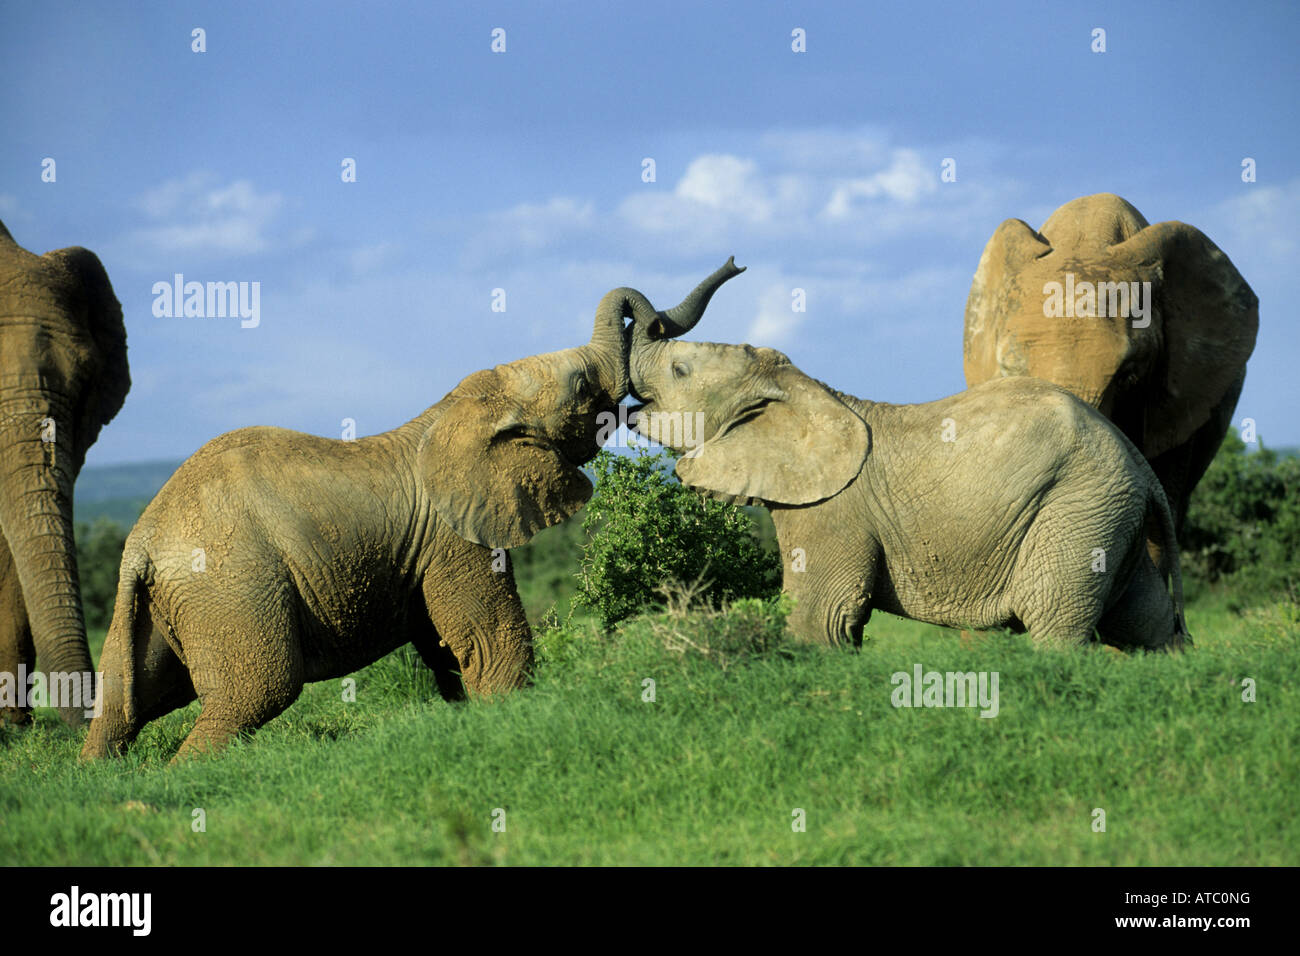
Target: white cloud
x=1260, y=223
x=815, y=188
x=727, y=183
x=905, y=180
x=369, y=258
x=776, y=320
x=198, y=214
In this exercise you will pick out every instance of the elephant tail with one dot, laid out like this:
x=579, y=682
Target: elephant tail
x=125, y=609
x=1172, y=566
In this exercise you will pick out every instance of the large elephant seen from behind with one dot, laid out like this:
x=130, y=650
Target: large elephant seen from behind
x=1151, y=325
x=63, y=376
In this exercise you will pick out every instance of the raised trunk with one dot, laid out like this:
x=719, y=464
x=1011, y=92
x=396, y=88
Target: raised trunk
x=648, y=325
x=680, y=320
x=36, y=519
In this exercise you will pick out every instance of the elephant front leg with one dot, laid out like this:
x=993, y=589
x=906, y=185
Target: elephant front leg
x=831, y=587
x=476, y=611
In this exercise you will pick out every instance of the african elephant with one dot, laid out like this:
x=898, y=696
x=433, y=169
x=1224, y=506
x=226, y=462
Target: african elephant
x=1167, y=369
x=63, y=377
x=1012, y=504
x=272, y=558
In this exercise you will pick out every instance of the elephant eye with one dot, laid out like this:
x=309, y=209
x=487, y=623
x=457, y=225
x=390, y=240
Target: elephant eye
x=581, y=387
x=681, y=370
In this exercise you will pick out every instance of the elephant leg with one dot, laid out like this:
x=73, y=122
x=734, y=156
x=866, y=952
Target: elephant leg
x=1180, y=469
x=17, y=652
x=1064, y=574
x=246, y=673
x=437, y=656
x=1144, y=615
x=161, y=684
x=478, y=614
x=1173, y=469
x=832, y=590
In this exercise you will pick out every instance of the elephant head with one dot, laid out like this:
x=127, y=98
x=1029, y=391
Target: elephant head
x=1155, y=332
x=501, y=454
x=767, y=432
x=63, y=376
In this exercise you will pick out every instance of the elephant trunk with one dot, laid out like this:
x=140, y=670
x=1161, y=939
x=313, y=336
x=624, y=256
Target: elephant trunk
x=650, y=328
x=611, y=338
x=36, y=520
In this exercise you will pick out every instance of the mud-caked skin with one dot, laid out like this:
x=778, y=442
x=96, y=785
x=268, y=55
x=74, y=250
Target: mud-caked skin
x=1012, y=504
x=1168, y=378
x=63, y=376
x=272, y=558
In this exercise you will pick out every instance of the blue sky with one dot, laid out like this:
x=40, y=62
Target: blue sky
x=522, y=171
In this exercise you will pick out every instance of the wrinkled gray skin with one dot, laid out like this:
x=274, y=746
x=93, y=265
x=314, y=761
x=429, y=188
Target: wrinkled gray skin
x=272, y=558
x=62, y=362
x=998, y=527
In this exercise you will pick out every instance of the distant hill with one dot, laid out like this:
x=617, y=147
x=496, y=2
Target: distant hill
x=120, y=492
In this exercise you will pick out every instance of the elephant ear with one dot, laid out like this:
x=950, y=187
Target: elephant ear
x=1208, y=316
x=495, y=480
x=994, y=293
x=792, y=442
x=92, y=301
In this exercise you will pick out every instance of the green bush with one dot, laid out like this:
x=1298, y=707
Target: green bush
x=649, y=532
x=1243, y=522
x=99, y=556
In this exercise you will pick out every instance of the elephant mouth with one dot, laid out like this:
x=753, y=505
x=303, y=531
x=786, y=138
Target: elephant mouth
x=523, y=435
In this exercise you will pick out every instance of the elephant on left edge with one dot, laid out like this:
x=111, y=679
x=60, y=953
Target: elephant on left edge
x=63, y=376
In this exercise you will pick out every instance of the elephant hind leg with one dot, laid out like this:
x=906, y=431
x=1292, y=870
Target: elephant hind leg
x=246, y=675
x=160, y=684
x=1060, y=602
x=1144, y=615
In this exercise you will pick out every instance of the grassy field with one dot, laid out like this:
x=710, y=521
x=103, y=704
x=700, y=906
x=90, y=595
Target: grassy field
x=581, y=769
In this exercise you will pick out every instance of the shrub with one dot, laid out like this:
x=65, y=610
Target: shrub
x=746, y=629
x=648, y=531
x=1243, y=522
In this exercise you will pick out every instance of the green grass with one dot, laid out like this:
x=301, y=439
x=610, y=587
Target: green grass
x=711, y=771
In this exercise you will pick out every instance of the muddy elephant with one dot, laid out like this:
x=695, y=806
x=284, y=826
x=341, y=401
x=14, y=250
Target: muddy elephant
x=63, y=376
x=272, y=558
x=1012, y=504
x=1151, y=325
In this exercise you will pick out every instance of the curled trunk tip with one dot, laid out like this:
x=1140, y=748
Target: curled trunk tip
x=682, y=318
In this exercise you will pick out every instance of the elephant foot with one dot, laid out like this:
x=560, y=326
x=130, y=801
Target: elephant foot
x=101, y=743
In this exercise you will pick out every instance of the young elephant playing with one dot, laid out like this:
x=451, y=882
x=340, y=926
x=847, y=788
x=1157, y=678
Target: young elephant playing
x=1012, y=504
x=272, y=558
